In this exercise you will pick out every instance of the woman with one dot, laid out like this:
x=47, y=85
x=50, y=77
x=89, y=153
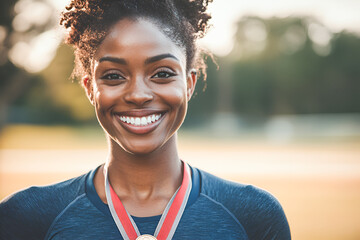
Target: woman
x=138, y=63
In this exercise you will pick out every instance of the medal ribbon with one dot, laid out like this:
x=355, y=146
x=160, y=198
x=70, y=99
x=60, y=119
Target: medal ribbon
x=169, y=219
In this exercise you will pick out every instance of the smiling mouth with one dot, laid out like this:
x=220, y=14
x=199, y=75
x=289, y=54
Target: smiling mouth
x=141, y=121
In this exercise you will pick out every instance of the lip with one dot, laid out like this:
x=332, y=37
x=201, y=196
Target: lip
x=140, y=130
x=140, y=112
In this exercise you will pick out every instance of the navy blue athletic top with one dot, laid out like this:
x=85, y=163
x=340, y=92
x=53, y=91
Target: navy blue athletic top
x=217, y=209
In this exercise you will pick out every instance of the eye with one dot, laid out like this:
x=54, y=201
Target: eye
x=163, y=74
x=112, y=76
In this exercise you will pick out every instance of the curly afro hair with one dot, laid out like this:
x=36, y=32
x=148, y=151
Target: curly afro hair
x=88, y=22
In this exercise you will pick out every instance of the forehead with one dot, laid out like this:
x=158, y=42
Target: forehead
x=140, y=38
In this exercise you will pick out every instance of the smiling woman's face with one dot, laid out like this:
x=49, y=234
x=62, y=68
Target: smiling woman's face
x=139, y=86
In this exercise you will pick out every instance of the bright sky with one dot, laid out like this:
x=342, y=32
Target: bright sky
x=335, y=14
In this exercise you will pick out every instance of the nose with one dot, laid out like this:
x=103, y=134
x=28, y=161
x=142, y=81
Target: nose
x=138, y=93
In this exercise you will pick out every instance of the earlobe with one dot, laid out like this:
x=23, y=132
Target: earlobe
x=88, y=88
x=191, y=83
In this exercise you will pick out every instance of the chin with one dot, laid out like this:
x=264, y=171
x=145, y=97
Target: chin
x=140, y=148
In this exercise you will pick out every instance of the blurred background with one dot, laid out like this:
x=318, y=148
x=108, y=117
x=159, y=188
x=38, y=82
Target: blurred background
x=280, y=109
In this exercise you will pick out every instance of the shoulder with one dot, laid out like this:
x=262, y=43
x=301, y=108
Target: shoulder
x=32, y=210
x=259, y=212
x=228, y=192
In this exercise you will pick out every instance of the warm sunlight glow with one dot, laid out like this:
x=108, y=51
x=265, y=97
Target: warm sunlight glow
x=337, y=15
x=35, y=55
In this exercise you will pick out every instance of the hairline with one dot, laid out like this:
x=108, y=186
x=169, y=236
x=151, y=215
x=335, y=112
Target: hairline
x=157, y=22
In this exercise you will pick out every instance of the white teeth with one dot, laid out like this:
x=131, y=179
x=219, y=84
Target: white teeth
x=137, y=121
x=140, y=121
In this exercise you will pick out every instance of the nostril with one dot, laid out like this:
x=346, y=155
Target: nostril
x=138, y=98
x=138, y=92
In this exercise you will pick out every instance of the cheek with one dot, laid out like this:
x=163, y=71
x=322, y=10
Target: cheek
x=175, y=96
x=176, y=99
x=105, y=97
x=103, y=100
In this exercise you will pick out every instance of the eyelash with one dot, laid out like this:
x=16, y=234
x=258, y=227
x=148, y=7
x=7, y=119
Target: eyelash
x=168, y=73
x=116, y=76
x=108, y=76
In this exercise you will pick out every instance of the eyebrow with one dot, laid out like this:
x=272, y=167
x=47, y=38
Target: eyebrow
x=113, y=59
x=147, y=61
x=160, y=57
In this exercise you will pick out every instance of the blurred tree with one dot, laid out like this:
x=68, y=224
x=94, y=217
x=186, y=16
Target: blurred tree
x=291, y=65
x=67, y=93
x=204, y=101
x=52, y=97
x=20, y=23
x=294, y=66
x=13, y=80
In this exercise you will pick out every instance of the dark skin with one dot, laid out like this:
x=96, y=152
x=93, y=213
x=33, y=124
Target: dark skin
x=138, y=72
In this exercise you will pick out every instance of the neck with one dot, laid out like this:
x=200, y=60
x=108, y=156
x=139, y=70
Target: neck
x=144, y=183
x=145, y=176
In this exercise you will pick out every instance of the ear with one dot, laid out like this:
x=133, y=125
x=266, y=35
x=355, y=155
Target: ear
x=191, y=83
x=86, y=82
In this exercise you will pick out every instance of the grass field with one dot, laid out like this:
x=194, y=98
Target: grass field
x=317, y=182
